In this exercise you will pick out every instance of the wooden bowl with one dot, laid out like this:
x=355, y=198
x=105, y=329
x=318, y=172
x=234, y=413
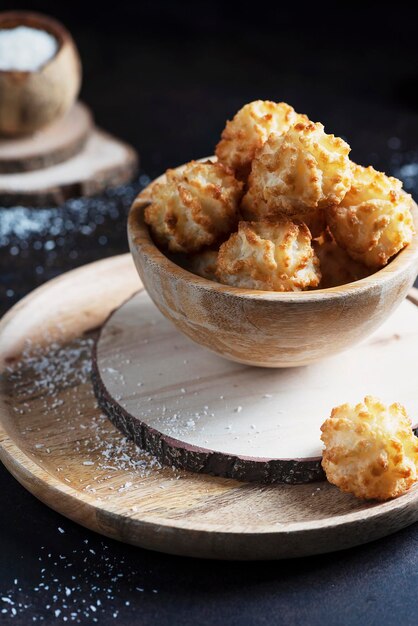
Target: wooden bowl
x=32, y=99
x=265, y=328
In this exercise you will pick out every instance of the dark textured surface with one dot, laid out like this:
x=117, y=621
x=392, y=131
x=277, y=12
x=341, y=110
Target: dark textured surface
x=373, y=584
x=164, y=76
x=37, y=244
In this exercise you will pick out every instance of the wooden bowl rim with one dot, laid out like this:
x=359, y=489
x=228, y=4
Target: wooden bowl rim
x=12, y=19
x=140, y=238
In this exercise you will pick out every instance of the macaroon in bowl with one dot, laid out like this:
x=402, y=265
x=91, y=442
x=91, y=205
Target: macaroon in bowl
x=267, y=328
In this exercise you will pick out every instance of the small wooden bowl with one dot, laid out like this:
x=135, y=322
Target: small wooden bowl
x=265, y=328
x=30, y=100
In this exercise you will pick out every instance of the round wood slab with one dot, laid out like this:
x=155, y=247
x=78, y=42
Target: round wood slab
x=104, y=161
x=58, y=142
x=57, y=443
x=199, y=412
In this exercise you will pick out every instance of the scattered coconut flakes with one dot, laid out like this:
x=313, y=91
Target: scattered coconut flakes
x=125, y=487
x=72, y=233
x=60, y=371
x=79, y=595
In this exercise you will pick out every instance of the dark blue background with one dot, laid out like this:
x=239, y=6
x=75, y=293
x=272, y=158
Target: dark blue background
x=165, y=76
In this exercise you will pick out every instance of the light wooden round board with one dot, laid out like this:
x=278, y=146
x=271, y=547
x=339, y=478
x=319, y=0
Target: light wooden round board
x=102, y=161
x=57, y=443
x=58, y=142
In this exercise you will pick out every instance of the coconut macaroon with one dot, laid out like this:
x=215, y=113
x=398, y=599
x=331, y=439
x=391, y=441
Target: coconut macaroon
x=337, y=268
x=298, y=172
x=203, y=264
x=373, y=221
x=195, y=207
x=370, y=449
x=249, y=130
x=273, y=256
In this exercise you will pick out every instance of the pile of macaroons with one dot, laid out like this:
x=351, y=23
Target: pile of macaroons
x=282, y=209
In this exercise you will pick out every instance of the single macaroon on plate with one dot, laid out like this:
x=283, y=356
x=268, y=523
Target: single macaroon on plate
x=56, y=441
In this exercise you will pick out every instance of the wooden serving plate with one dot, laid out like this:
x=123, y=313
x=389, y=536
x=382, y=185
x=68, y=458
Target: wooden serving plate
x=56, y=442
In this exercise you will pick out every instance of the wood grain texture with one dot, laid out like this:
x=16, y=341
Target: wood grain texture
x=194, y=410
x=31, y=100
x=103, y=162
x=54, y=144
x=57, y=446
x=263, y=328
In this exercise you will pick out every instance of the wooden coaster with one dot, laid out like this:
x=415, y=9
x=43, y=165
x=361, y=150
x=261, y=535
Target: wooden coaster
x=197, y=411
x=56, y=442
x=56, y=143
x=103, y=162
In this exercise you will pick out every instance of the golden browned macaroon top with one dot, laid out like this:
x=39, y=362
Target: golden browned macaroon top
x=194, y=207
x=269, y=255
x=249, y=130
x=370, y=449
x=373, y=222
x=300, y=171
